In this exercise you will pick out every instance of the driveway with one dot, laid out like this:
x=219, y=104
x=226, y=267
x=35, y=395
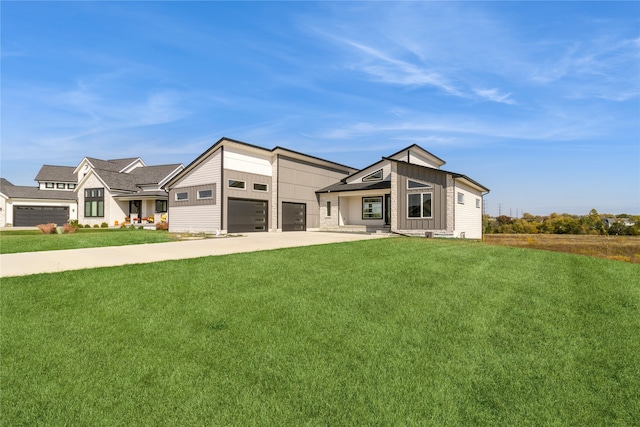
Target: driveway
x=22, y=264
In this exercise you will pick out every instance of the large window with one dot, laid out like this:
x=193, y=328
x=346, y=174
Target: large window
x=419, y=205
x=372, y=207
x=94, y=202
x=161, y=205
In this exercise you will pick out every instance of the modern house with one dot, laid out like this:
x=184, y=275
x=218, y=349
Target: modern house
x=95, y=192
x=406, y=193
x=238, y=187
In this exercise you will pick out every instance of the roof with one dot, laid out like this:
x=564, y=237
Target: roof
x=23, y=192
x=358, y=186
x=275, y=150
x=454, y=174
x=115, y=165
x=56, y=174
x=116, y=180
x=153, y=174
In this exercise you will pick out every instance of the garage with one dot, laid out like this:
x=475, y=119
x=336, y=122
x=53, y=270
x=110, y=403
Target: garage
x=28, y=216
x=245, y=215
x=294, y=216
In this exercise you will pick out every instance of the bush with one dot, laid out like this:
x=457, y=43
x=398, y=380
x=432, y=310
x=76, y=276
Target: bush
x=96, y=226
x=47, y=228
x=104, y=225
x=162, y=226
x=73, y=223
x=87, y=226
x=70, y=228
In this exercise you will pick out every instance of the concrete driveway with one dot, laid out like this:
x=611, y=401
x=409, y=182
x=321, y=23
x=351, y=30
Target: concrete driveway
x=22, y=264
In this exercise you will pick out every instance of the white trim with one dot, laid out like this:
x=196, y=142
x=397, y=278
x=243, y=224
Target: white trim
x=430, y=193
x=204, y=198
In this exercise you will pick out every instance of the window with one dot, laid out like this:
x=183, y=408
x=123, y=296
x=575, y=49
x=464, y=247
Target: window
x=240, y=185
x=376, y=176
x=181, y=197
x=161, y=205
x=205, y=194
x=94, y=202
x=372, y=208
x=415, y=184
x=419, y=205
x=478, y=203
x=461, y=198
x=260, y=187
x=71, y=186
x=60, y=185
x=328, y=208
x=49, y=185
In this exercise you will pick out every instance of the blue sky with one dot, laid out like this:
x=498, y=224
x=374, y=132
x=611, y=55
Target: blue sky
x=539, y=101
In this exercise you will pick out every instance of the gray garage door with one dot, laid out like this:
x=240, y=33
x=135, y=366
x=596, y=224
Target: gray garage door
x=246, y=216
x=27, y=216
x=294, y=216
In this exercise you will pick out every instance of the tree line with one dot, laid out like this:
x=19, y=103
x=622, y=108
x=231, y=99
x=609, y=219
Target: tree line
x=593, y=223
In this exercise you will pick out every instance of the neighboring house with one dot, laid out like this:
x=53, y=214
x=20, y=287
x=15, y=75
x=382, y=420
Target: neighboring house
x=120, y=189
x=30, y=206
x=236, y=187
x=405, y=193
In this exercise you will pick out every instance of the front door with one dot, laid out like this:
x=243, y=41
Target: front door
x=135, y=209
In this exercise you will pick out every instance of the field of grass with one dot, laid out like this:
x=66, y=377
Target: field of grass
x=620, y=248
x=381, y=332
x=14, y=241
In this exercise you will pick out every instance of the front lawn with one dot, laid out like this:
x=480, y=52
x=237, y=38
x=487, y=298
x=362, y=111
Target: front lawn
x=381, y=332
x=14, y=241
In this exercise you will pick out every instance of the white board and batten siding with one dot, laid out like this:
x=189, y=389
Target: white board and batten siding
x=468, y=215
x=199, y=218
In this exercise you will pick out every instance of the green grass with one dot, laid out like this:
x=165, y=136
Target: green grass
x=14, y=241
x=382, y=332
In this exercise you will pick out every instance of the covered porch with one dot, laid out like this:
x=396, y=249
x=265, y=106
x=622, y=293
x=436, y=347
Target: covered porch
x=356, y=211
x=143, y=208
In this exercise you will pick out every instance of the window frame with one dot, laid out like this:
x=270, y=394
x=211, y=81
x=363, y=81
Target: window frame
x=178, y=199
x=421, y=205
x=72, y=186
x=163, y=204
x=478, y=204
x=372, y=177
x=420, y=185
x=460, y=198
x=266, y=186
x=94, y=201
x=373, y=212
x=236, y=181
x=49, y=185
x=328, y=209
x=60, y=185
x=208, y=190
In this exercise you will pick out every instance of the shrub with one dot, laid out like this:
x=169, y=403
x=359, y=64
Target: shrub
x=104, y=225
x=87, y=226
x=73, y=222
x=96, y=226
x=47, y=228
x=69, y=228
x=162, y=226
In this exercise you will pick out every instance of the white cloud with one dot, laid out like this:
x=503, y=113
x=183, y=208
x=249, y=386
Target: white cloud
x=495, y=96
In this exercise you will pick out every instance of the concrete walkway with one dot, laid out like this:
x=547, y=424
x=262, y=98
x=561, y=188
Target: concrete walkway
x=22, y=264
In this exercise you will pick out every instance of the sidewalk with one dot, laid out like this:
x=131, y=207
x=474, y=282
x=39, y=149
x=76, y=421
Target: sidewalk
x=22, y=264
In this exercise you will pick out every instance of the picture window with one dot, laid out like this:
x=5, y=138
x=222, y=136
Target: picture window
x=419, y=205
x=94, y=202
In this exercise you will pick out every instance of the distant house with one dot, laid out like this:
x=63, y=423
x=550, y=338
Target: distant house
x=239, y=187
x=29, y=206
x=95, y=192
